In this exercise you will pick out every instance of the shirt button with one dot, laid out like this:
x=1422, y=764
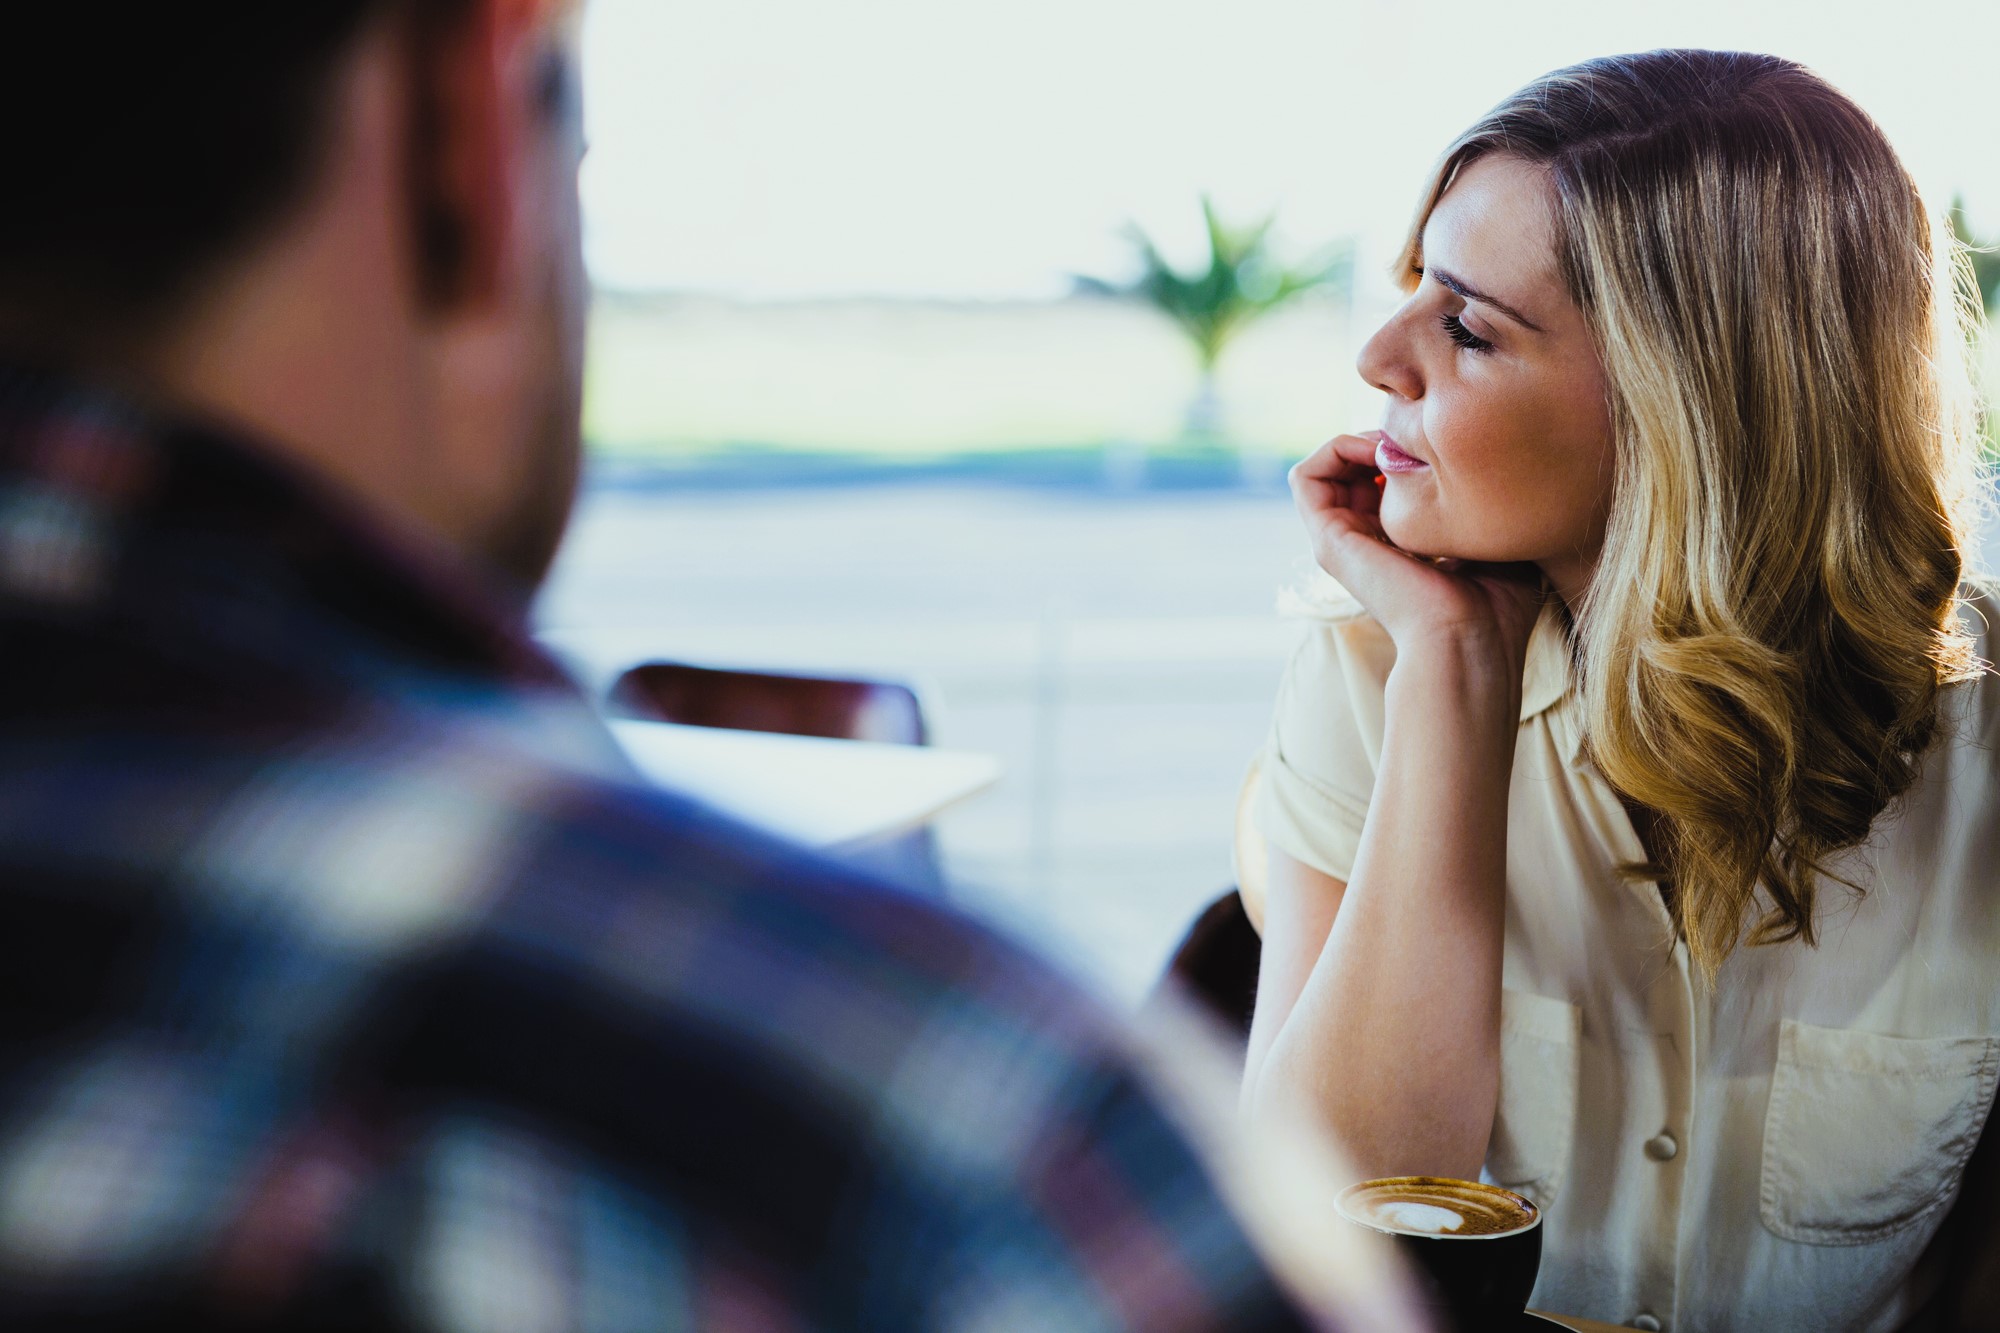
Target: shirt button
x=1645, y=1321
x=1661, y=1148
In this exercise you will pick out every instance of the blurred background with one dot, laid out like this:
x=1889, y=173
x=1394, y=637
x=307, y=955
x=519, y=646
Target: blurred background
x=967, y=345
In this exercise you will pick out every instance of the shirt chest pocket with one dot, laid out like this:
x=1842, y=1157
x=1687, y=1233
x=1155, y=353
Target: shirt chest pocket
x=1536, y=1118
x=1866, y=1136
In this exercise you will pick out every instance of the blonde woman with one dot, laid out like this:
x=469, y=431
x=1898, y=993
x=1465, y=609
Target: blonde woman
x=1638, y=846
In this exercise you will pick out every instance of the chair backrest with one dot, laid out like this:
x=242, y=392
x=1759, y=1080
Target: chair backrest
x=1216, y=964
x=854, y=710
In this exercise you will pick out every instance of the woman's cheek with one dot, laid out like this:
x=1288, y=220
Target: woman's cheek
x=1469, y=425
x=1481, y=452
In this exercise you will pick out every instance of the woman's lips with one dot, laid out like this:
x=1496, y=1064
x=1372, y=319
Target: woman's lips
x=1390, y=459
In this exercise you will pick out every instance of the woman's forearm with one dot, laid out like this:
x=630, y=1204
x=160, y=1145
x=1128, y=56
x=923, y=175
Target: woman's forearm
x=1394, y=1040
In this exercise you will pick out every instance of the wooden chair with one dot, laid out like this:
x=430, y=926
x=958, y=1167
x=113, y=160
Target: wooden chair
x=1961, y=1265
x=885, y=712
x=848, y=710
x=1216, y=963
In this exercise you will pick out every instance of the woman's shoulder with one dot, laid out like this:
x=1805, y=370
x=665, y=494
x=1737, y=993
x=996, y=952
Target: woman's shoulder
x=1317, y=596
x=1316, y=774
x=1340, y=640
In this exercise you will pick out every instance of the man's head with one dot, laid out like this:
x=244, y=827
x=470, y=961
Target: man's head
x=346, y=227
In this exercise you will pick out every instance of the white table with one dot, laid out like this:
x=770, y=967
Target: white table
x=822, y=793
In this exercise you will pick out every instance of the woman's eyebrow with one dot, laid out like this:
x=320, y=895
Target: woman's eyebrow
x=1471, y=293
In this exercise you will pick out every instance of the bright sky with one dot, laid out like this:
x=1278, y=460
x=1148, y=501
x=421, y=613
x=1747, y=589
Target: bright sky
x=788, y=148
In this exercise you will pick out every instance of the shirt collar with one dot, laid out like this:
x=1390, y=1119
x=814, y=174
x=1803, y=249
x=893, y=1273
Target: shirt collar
x=1546, y=677
x=1548, y=683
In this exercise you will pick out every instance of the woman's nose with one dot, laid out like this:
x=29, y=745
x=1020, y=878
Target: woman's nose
x=1386, y=361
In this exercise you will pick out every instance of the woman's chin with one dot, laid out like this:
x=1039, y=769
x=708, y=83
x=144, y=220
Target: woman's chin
x=1410, y=533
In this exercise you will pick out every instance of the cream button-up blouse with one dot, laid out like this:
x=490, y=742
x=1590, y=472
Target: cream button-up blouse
x=1771, y=1154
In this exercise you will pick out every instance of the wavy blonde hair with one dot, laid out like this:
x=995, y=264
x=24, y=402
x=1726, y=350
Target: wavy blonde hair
x=1776, y=607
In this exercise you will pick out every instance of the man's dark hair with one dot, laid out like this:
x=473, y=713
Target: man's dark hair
x=148, y=140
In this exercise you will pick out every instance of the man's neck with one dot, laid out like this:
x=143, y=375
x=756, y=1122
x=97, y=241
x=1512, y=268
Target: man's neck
x=309, y=346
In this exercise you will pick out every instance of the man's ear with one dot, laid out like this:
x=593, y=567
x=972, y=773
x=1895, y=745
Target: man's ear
x=464, y=150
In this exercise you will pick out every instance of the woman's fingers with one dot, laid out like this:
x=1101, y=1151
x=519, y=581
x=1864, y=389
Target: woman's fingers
x=1318, y=501
x=1341, y=448
x=1340, y=474
x=1342, y=458
x=1338, y=491
x=1351, y=547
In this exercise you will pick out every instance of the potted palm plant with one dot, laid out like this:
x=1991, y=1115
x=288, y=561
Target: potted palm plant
x=1241, y=282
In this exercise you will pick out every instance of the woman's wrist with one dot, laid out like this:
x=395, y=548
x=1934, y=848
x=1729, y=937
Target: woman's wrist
x=1461, y=671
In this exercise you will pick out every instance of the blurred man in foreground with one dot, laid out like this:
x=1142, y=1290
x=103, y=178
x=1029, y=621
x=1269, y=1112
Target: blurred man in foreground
x=349, y=982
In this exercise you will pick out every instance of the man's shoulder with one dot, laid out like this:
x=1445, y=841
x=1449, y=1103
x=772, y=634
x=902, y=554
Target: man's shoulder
x=861, y=992
x=824, y=1068
x=521, y=828
x=404, y=832
x=411, y=928
x=706, y=905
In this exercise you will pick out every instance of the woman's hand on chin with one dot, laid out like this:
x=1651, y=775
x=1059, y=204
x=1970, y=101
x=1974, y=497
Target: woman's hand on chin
x=1423, y=603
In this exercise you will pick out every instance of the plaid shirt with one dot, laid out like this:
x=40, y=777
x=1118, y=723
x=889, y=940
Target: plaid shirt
x=349, y=981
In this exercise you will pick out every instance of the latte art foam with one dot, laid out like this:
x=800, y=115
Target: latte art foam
x=1409, y=1215
x=1434, y=1206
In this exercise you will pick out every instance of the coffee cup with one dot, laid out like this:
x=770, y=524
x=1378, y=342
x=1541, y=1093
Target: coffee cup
x=1478, y=1247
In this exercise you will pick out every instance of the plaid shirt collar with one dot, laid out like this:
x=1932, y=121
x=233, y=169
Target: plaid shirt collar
x=110, y=511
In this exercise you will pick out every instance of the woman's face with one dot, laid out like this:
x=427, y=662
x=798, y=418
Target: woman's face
x=1497, y=432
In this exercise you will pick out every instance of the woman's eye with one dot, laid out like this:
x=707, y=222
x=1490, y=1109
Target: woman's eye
x=1454, y=329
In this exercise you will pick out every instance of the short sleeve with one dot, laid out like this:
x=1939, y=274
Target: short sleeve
x=1317, y=769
